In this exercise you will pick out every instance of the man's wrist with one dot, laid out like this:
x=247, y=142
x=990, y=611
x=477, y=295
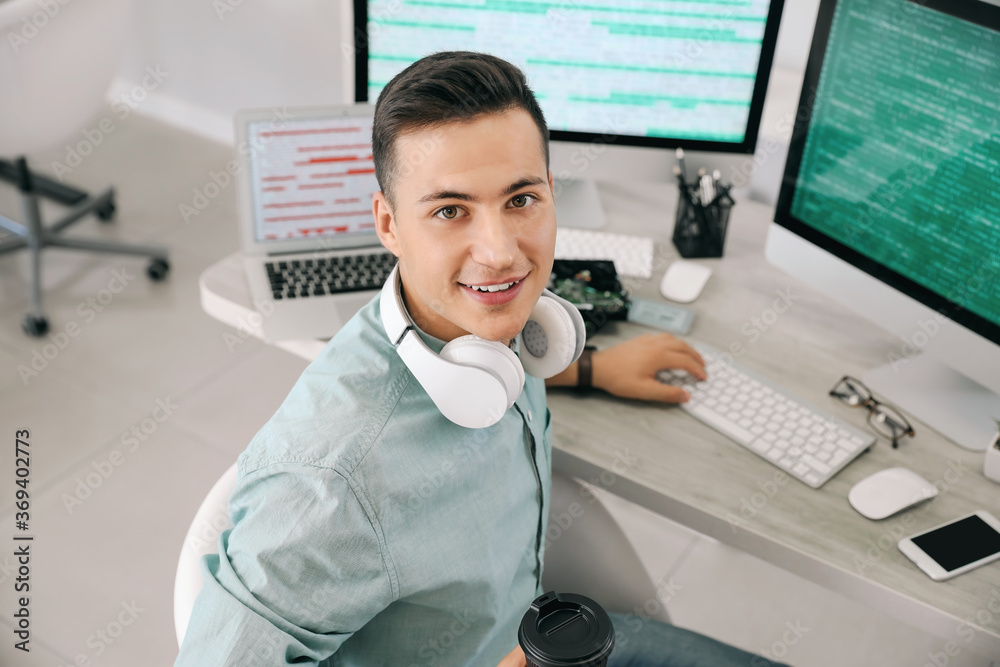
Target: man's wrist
x=585, y=370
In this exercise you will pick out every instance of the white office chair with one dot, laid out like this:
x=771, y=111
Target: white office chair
x=56, y=64
x=611, y=574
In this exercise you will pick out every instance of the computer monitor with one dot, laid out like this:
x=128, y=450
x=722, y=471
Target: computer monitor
x=890, y=200
x=617, y=80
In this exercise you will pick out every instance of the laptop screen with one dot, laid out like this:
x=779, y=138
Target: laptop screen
x=311, y=178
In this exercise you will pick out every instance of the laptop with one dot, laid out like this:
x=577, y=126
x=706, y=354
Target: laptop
x=310, y=250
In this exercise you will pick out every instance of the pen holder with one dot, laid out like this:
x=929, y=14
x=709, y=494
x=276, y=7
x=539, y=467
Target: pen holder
x=700, y=229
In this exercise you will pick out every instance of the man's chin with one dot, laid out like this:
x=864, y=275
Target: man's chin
x=500, y=334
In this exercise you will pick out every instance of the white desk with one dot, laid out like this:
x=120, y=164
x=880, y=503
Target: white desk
x=697, y=477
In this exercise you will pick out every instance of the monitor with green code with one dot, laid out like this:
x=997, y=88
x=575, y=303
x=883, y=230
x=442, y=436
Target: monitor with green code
x=895, y=165
x=654, y=73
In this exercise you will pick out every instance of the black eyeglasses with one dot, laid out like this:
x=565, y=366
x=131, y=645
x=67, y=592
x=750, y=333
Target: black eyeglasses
x=884, y=419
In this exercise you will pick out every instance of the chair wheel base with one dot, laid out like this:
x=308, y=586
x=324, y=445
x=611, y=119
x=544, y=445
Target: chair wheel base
x=158, y=269
x=106, y=213
x=35, y=326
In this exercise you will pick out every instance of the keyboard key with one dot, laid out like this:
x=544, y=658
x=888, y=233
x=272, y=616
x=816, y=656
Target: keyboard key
x=735, y=431
x=816, y=464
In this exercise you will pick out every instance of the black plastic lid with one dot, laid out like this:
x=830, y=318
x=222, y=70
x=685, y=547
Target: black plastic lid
x=563, y=630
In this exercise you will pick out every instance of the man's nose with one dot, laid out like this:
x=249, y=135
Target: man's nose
x=495, y=242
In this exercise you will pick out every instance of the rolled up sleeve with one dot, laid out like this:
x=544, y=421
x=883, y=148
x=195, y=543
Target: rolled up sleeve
x=302, y=569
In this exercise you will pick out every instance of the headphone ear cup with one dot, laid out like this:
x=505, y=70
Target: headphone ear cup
x=549, y=339
x=491, y=357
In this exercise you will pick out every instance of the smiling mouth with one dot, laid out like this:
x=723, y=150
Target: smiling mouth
x=500, y=287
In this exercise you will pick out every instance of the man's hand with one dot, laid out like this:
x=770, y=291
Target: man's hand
x=629, y=369
x=514, y=659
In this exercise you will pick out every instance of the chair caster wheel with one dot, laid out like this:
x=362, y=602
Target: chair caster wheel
x=35, y=326
x=157, y=269
x=106, y=212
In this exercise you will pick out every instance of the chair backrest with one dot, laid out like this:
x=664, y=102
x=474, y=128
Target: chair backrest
x=588, y=553
x=57, y=62
x=202, y=538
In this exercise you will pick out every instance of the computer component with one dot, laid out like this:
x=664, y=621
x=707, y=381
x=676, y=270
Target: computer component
x=660, y=315
x=805, y=441
x=593, y=287
x=632, y=255
x=891, y=196
x=683, y=281
x=665, y=75
x=955, y=547
x=306, y=181
x=888, y=492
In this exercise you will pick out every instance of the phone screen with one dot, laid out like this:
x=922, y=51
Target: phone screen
x=960, y=543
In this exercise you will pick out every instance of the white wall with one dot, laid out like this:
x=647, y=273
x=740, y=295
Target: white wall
x=225, y=55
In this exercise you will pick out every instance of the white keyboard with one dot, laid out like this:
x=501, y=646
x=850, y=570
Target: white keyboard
x=632, y=255
x=807, y=442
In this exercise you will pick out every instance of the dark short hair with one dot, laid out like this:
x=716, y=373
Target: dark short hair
x=442, y=88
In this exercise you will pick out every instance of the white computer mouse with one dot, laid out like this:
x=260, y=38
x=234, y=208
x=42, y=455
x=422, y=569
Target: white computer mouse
x=683, y=281
x=889, y=491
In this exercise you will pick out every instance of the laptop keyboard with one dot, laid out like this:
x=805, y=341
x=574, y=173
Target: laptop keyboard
x=319, y=276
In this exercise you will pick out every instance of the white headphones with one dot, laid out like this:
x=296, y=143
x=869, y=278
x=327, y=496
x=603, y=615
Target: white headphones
x=475, y=381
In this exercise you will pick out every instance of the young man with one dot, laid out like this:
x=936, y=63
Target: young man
x=368, y=528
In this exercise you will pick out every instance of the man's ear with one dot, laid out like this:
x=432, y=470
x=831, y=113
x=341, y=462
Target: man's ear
x=385, y=223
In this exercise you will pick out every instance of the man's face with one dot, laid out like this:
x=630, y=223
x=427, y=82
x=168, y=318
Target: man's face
x=474, y=207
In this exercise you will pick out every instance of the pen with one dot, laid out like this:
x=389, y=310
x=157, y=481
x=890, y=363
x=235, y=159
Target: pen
x=680, y=163
x=707, y=190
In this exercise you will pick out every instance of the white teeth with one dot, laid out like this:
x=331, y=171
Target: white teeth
x=493, y=288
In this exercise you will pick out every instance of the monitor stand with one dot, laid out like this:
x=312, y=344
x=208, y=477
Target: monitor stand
x=947, y=401
x=578, y=204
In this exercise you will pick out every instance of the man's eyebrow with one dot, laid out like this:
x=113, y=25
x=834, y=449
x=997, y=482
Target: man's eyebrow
x=510, y=189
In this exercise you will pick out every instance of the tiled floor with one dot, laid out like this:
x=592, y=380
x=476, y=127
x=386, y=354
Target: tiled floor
x=109, y=508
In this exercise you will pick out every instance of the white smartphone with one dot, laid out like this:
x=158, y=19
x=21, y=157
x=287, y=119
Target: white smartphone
x=955, y=547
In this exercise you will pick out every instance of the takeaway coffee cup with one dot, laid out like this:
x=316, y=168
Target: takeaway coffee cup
x=566, y=630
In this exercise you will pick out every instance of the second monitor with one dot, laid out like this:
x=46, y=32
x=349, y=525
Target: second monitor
x=618, y=80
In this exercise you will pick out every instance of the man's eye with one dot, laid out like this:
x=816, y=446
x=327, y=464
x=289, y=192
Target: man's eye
x=452, y=216
x=524, y=197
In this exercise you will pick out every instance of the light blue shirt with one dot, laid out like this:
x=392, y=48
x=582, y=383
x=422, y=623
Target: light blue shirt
x=370, y=530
